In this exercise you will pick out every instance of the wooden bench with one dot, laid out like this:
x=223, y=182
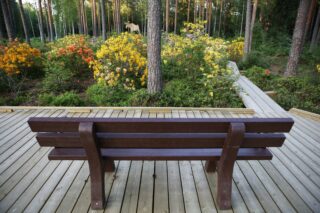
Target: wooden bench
x=218, y=141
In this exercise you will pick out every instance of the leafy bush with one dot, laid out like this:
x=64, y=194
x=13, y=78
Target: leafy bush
x=74, y=53
x=261, y=77
x=102, y=95
x=65, y=99
x=17, y=62
x=67, y=64
x=255, y=58
x=18, y=58
x=298, y=93
x=121, y=61
x=235, y=49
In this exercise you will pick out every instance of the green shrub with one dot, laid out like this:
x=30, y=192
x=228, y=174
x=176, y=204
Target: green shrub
x=58, y=78
x=255, y=58
x=261, y=77
x=141, y=97
x=65, y=99
x=101, y=95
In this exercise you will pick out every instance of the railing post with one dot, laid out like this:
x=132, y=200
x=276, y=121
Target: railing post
x=229, y=154
x=96, y=166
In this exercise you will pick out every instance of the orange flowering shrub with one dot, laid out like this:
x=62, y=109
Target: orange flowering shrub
x=72, y=52
x=17, y=57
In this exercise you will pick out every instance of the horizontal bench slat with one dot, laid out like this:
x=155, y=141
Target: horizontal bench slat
x=166, y=125
x=160, y=154
x=159, y=140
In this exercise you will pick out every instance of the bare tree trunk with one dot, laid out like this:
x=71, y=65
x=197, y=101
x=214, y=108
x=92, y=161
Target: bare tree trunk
x=176, y=17
x=188, y=11
x=195, y=11
x=103, y=19
x=117, y=16
x=50, y=20
x=253, y=19
x=311, y=11
x=154, y=47
x=242, y=15
x=167, y=15
x=247, y=31
x=315, y=31
x=220, y=17
x=94, y=18
x=209, y=16
x=42, y=36
x=84, y=18
x=109, y=18
x=215, y=17
x=297, y=38
x=24, y=23
x=31, y=24
x=80, y=17
x=11, y=17
x=7, y=23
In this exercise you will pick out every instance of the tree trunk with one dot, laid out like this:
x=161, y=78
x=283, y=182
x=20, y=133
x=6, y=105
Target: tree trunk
x=154, y=47
x=253, y=19
x=297, y=38
x=242, y=15
x=209, y=16
x=215, y=17
x=42, y=36
x=176, y=17
x=103, y=19
x=11, y=17
x=7, y=23
x=195, y=11
x=311, y=11
x=94, y=18
x=188, y=11
x=167, y=15
x=50, y=20
x=24, y=22
x=202, y=10
x=31, y=24
x=117, y=16
x=315, y=31
x=247, y=31
x=109, y=19
x=84, y=18
x=220, y=17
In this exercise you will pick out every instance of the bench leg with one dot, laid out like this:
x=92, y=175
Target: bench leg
x=226, y=163
x=109, y=166
x=211, y=166
x=224, y=188
x=96, y=167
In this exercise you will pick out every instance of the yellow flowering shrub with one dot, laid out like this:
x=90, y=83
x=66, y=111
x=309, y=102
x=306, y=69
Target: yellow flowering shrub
x=235, y=49
x=121, y=61
x=16, y=57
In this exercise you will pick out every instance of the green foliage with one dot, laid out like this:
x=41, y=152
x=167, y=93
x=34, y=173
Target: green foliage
x=298, y=93
x=261, y=77
x=255, y=58
x=58, y=78
x=65, y=99
x=101, y=95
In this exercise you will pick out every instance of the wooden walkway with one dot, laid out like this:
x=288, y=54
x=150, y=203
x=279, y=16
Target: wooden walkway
x=29, y=182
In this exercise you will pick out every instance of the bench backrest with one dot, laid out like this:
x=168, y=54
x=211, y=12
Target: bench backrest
x=160, y=133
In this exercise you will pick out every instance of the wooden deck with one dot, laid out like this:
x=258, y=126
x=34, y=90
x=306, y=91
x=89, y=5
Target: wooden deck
x=29, y=182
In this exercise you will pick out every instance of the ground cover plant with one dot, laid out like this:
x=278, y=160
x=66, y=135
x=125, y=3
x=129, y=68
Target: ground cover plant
x=115, y=74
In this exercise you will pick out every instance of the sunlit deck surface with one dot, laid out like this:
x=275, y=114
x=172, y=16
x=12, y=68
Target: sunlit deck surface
x=30, y=182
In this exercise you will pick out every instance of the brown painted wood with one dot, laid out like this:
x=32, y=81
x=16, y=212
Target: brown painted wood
x=92, y=151
x=160, y=154
x=160, y=140
x=229, y=155
x=156, y=125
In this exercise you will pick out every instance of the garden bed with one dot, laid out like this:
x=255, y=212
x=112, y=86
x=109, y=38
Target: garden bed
x=79, y=71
